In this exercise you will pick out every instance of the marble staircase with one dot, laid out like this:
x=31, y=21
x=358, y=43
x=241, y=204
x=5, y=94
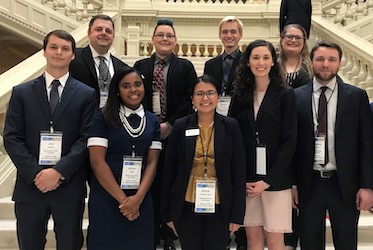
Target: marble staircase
x=8, y=238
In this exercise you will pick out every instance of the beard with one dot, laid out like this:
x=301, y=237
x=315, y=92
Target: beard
x=325, y=77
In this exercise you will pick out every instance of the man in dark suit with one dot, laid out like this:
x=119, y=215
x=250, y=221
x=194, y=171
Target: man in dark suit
x=222, y=67
x=168, y=82
x=86, y=65
x=296, y=11
x=45, y=136
x=333, y=161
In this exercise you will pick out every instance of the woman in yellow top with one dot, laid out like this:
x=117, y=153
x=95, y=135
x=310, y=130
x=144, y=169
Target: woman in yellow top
x=203, y=192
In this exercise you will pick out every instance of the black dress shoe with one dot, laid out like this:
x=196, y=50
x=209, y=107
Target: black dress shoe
x=169, y=245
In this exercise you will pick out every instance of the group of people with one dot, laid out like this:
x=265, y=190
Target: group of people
x=260, y=146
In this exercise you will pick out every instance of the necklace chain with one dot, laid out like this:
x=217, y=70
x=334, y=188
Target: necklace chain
x=133, y=132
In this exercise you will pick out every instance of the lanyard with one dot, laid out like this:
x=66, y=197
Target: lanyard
x=204, y=151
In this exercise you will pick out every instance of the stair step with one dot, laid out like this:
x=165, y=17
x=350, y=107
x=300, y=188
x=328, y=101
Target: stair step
x=8, y=237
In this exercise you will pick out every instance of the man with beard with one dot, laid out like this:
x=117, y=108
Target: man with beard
x=333, y=161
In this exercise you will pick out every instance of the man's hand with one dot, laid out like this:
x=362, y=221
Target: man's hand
x=47, y=180
x=364, y=199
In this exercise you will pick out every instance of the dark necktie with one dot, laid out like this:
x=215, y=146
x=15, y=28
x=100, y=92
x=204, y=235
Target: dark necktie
x=158, y=79
x=227, y=65
x=322, y=118
x=54, y=96
x=103, y=74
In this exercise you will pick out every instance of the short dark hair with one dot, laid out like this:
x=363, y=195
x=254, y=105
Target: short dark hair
x=327, y=44
x=60, y=34
x=164, y=21
x=207, y=79
x=102, y=17
x=111, y=108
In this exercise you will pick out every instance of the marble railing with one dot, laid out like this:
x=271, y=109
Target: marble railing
x=196, y=31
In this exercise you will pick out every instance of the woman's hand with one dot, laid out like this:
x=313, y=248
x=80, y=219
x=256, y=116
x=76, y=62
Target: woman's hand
x=130, y=205
x=254, y=189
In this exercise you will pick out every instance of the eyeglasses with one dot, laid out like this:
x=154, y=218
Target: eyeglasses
x=162, y=36
x=290, y=37
x=201, y=94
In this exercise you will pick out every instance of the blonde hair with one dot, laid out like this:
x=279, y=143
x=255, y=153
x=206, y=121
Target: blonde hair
x=304, y=54
x=231, y=19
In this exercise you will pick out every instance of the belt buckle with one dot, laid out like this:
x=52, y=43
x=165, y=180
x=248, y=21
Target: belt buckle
x=325, y=174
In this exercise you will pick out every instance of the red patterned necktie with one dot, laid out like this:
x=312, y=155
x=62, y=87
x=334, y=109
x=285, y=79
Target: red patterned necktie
x=158, y=79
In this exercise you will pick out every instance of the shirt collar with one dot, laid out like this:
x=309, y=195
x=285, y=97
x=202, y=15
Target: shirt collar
x=166, y=59
x=49, y=79
x=233, y=54
x=95, y=54
x=331, y=84
x=127, y=111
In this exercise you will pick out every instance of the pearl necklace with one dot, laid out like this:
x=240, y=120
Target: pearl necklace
x=133, y=132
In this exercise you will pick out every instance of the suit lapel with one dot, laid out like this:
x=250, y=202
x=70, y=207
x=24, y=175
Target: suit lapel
x=88, y=59
x=269, y=96
x=308, y=109
x=190, y=142
x=68, y=92
x=41, y=93
x=218, y=142
x=343, y=96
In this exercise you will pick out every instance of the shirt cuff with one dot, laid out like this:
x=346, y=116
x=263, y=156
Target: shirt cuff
x=97, y=141
x=156, y=145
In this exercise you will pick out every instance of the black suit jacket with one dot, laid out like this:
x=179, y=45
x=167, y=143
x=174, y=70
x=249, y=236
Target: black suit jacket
x=181, y=78
x=214, y=68
x=296, y=11
x=27, y=116
x=229, y=164
x=276, y=124
x=353, y=141
x=83, y=68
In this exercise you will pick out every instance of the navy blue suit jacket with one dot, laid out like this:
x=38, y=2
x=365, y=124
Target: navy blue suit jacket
x=353, y=141
x=27, y=116
x=296, y=11
x=83, y=68
x=229, y=156
x=181, y=78
x=214, y=68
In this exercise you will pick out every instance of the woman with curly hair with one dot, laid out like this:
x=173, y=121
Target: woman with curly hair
x=265, y=110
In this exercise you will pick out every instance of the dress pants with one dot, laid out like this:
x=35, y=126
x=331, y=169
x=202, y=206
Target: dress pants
x=32, y=222
x=202, y=231
x=325, y=195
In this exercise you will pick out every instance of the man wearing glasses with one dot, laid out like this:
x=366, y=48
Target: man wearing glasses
x=168, y=82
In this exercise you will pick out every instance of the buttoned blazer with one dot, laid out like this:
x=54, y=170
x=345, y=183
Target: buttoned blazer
x=214, y=68
x=229, y=165
x=27, y=116
x=83, y=68
x=353, y=141
x=276, y=127
x=181, y=78
x=296, y=11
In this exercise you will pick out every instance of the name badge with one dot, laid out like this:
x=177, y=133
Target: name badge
x=261, y=160
x=131, y=172
x=205, y=196
x=320, y=141
x=223, y=105
x=156, y=103
x=103, y=98
x=50, y=149
x=192, y=132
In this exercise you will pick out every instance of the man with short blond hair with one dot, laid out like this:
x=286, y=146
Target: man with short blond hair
x=222, y=67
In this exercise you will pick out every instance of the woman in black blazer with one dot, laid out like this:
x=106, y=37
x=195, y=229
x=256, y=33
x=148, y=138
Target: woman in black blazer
x=203, y=191
x=265, y=110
